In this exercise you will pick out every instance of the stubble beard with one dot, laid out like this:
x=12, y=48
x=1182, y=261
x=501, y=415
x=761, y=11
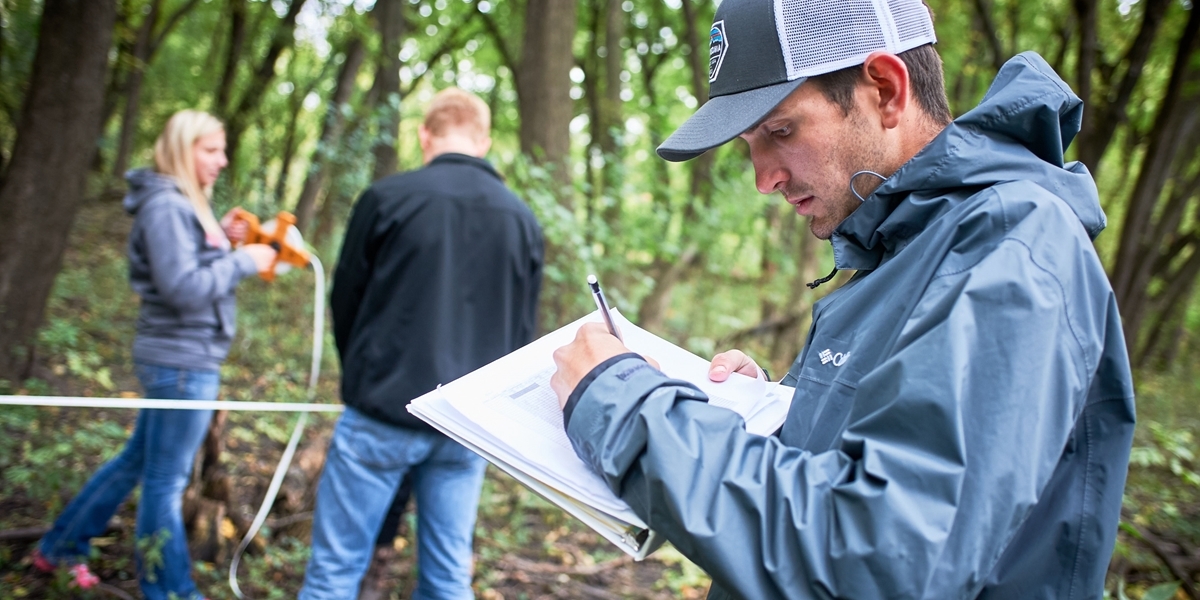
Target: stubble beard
x=859, y=152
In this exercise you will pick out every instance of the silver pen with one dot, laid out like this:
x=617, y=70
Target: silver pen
x=603, y=306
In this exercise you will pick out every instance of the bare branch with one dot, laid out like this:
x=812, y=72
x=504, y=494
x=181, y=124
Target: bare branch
x=987, y=26
x=494, y=31
x=172, y=21
x=446, y=46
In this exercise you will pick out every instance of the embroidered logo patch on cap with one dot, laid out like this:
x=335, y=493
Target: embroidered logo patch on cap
x=717, y=46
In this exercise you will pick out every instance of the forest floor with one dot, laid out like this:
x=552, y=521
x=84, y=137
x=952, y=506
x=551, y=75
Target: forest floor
x=525, y=548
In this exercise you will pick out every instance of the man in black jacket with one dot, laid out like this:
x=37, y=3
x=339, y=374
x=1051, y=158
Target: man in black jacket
x=439, y=275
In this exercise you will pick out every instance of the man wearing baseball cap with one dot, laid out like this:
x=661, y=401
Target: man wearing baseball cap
x=964, y=406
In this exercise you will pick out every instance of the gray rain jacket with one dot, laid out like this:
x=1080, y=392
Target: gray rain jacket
x=185, y=279
x=964, y=406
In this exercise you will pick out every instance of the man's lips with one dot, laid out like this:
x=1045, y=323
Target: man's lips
x=801, y=203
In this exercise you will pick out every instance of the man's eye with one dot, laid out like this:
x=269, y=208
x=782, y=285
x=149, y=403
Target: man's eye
x=781, y=132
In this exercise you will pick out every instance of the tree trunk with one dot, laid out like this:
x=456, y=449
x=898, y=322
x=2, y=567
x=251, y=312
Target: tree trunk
x=122, y=47
x=233, y=54
x=664, y=270
x=331, y=133
x=295, y=106
x=701, y=184
x=1139, y=248
x=769, y=262
x=47, y=174
x=590, y=64
x=239, y=117
x=669, y=270
x=1085, y=14
x=334, y=209
x=610, y=108
x=133, y=89
x=209, y=494
x=610, y=112
x=289, y=147
x=1106, y=110
x=544, y=88
x=389, y=18
x=1173, y=301
x=986, y=23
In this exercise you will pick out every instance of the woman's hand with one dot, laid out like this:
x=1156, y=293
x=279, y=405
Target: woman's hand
x=263, y=255
x=234, y=230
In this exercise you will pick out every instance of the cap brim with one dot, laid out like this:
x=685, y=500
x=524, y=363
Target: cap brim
x=723, y=118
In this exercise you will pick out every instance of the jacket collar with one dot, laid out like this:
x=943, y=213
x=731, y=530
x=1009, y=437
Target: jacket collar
x=1019, y=131
x=463, y=159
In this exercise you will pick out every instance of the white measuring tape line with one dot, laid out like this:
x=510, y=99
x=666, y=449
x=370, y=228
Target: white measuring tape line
x=301, y=407
x=79, y=402
x=280, y=470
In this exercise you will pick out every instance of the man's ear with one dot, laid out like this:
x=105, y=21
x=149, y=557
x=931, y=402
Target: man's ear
x=423, y=136
x=887, y=79
x=484, y=145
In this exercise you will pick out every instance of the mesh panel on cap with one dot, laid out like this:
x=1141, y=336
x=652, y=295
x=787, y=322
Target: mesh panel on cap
x=824, y=33
x=912, y=20
x=822, y=36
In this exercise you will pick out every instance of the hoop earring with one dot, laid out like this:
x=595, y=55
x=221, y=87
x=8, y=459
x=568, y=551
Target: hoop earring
x=854, y=191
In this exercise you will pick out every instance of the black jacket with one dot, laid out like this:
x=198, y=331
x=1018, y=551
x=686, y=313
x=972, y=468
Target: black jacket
x=439, y=275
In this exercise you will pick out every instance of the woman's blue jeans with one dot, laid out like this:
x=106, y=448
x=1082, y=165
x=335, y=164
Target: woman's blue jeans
x=159, y=454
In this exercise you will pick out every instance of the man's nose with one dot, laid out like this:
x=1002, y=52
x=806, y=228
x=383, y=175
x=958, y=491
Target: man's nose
x=768, y=176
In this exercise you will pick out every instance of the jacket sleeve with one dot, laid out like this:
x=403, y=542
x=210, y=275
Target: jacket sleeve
x=951, y=441
x=353, y=269
x=175, y=268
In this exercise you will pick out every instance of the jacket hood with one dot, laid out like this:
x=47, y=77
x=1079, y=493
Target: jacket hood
x=145, y=184
x=1019, y=131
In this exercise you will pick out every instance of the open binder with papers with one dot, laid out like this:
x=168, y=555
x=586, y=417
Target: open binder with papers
x=507, y=413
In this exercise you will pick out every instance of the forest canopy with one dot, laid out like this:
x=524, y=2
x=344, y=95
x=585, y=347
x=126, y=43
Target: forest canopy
x=322, y=97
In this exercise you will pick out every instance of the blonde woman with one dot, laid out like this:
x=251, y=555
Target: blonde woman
x=182, y=266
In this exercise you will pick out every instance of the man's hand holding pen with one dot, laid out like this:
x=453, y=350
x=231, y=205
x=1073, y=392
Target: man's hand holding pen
x=593, y=345
x=597, y=342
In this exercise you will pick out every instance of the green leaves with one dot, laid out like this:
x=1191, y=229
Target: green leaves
x=1164, y=591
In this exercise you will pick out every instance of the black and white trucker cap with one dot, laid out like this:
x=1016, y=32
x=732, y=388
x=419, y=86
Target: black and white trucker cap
x=759, y=51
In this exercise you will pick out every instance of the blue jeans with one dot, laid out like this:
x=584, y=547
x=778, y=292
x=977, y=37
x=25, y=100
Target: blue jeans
x=366, y=461
x=160, y=454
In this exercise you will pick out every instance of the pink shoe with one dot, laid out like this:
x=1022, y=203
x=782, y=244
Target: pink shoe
x=81, y=576
x=41, y=563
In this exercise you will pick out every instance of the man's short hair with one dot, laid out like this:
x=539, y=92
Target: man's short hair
x=454, y=108
x=924, y=75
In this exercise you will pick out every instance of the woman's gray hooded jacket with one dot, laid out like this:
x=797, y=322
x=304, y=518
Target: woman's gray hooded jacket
x=964, y=406
x=185, y=278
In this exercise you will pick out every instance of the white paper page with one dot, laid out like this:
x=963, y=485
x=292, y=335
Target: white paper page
x=743, y=395
x=530, y=425
x=621, y=532
x=527, y=419
x=508, y=409
x=594, y=492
